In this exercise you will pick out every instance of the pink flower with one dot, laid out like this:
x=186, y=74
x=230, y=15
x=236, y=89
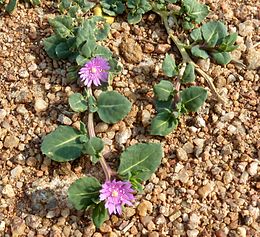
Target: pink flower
x=94, y=71
x=115, y=194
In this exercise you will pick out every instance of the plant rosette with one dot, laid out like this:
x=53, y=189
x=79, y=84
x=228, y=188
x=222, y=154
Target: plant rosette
x=137, y=162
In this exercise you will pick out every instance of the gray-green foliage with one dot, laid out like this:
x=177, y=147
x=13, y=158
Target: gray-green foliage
x=63, y=144
x=169, y=67
x=67, y=143
x=213, y=40
x=12, y=4
x=169, y=110
x=142, y=160
x=194, y=12
x=78, y=103
x=112, y=106
x=136, y=10
x=75, y=8
x=76, y=38
x=113, y=7
x=84, y=192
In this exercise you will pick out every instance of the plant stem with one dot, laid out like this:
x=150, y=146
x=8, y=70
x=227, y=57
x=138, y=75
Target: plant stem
x=107, y=170
x=186, y=58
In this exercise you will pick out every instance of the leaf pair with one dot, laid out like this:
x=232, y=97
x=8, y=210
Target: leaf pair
x=213, y=40
x=110, y=106
x=67, y=143
x=170, y=69
x=191, y=99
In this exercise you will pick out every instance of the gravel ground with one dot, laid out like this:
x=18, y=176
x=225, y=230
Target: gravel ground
x=209, y=180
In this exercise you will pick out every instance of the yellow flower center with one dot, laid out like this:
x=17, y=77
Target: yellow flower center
x=93, y=70
x=114, y=193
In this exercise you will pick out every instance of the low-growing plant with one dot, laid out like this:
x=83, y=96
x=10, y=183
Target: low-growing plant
x=12, y=4
x=79, y=39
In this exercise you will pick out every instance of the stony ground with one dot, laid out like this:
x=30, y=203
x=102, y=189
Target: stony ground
x=209, y=181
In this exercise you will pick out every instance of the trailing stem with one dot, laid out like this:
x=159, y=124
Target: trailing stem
x=107, y=170
x=185, y=56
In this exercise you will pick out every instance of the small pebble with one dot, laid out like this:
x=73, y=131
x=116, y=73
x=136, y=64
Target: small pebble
x=23, y=73
x=11, y=141
x=2, y=114
x=122, y=137
x=64, y=119
x=181, y=154
x=205, y=190
x=101, y=127
x=16, y=172
x=253, y=167
x=8, y=191
x=192, y=233
x=144, y=207
x=40, y=105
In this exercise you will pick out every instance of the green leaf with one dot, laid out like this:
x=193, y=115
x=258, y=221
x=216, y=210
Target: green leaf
x=50, y=45
x=222, y=57
x=64, y=5
x=103, y=52
x=213, y=32
x=84, y=192
x=85, y=5
x=72, y=74
x=11, y=6
x=137, y=9
x=93, y=147
x=62, y=25
x=81, y=60
x=164, y=105
x=134, y=18
x=83, y=128
x=115, y=67
x=189, y=74
x=73, y=11
x=85, y=32
x=99, y=214
x=163, y=123
x=136, y=182
x=169, y=67
x=187, y=25
x=78, y=103
x=92, y=104
x=36, y=2
x=112, y=106
x=112, y=7
x=163, y=90
x=63, y=144
x=198, y=52
x=195, y=10
x=196, y=34
x=88, y=48
x=62, y=50
x=227, y=43
x=101, y=28
x=146, y=156
x=193, y=98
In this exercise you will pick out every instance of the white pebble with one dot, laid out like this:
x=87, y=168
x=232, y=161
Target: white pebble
x=40, y=105
x=252, y=170
x=192, y=233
